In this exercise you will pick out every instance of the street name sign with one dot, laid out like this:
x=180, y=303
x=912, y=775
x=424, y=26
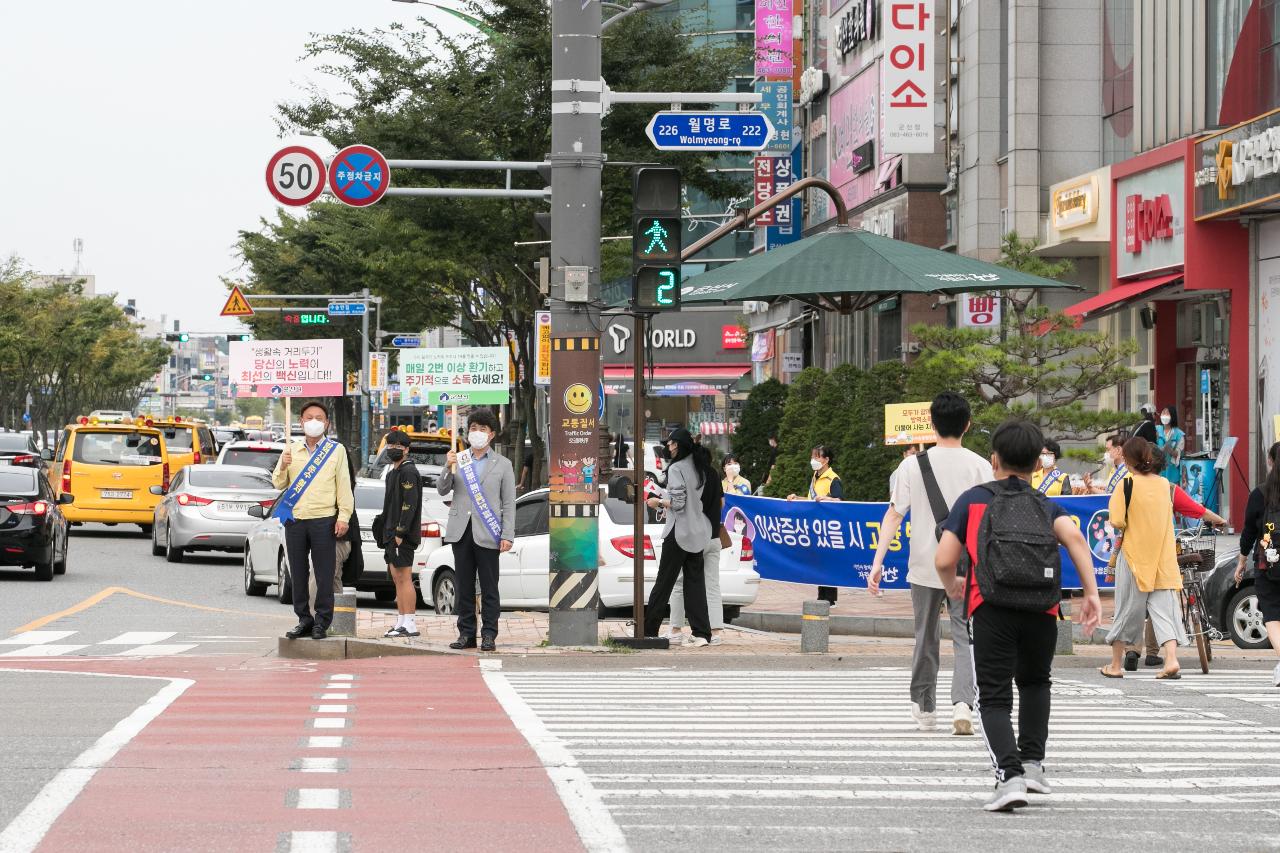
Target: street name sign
x=359, y=175
x=678, y=130
x=295, y=176
x=347, y=309
x=406, y=341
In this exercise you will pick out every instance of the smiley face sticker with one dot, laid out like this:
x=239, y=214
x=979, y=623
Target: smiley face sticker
x=577, y=399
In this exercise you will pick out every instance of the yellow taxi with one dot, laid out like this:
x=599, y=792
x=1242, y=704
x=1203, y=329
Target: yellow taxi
x=189, y=441
x=110, y=467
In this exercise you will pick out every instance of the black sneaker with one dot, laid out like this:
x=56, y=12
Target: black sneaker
x=1130, y=661
x=395, y=632
x=302, y=629
x=318, y=633
x=463, y=643
x=1152, y=660
x=489, y=644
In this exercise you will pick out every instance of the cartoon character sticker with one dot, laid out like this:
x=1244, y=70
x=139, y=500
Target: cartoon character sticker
x=1101, y=535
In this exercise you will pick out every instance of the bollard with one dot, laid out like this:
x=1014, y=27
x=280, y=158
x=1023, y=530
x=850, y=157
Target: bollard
x=1066, y=642
x=815, y=626
x=344, y=613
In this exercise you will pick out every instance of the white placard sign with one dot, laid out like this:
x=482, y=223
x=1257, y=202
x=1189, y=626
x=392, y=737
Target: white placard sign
x=907, y=77
x=301, y=368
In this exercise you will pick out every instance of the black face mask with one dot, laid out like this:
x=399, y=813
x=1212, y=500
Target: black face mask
x=395, y=454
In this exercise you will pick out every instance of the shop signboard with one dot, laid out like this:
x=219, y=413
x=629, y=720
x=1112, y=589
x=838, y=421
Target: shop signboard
x=855, y=127
x=978, y=311
x=776, y=104
x=908, y=77
x=455, y=376
x=774, y=48
x=1150, y=207
x=1238, y=169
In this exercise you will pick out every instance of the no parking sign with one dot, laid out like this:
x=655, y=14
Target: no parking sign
x=359, y=175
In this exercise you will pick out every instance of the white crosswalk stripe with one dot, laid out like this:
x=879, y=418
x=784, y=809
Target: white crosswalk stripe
x=727, y=751
x=1247, y=685
x=46, y=644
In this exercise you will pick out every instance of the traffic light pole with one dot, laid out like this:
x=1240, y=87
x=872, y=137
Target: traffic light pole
x=576, y=163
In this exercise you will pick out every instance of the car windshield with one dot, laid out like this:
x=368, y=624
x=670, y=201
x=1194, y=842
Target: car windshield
x=17, y=483
x=117, y=448
x=178, y=439
x=264, y=458
x=14, y=441
x=369, y=497
x=216, y=477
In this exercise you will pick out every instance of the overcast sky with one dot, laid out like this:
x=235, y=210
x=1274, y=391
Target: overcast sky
x=144, y=128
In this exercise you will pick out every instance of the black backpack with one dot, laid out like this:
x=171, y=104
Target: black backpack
x=1019, y=565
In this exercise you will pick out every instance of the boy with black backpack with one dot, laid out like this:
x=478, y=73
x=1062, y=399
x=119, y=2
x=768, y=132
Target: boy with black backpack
x=1012, y=592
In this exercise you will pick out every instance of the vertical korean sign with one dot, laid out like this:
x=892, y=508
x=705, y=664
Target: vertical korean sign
x=907, y=77
x=306, y=368
x=978, y=311
x=786, y=226
x=773, y=39
x=762, y=187
x=575, y=361
x=542, y=349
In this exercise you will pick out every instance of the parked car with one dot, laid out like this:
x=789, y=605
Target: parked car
x=1232, y=609
x=524, y=570
x=33, y=530
x=225, y=435
x=206, y=509
x=267, y=563
x=256, y=454
x=18, y=448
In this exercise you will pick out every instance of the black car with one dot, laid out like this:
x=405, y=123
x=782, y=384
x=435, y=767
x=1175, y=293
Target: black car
x=1233, y=610
x=33, y=530
x=19, y=449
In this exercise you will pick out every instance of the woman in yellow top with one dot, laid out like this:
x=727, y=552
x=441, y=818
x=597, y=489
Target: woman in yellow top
x=825, y=485
x=734, y=483
x=1147, y=575
x=1048, y=479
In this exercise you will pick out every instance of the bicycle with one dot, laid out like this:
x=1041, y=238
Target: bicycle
x=1197, y=553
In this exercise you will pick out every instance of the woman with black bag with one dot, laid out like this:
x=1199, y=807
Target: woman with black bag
x=1260, y=538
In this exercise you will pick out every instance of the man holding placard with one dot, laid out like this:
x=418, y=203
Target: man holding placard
x=315, y=509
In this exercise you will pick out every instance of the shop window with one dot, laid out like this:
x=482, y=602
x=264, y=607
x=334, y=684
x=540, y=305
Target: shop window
x=889, y=335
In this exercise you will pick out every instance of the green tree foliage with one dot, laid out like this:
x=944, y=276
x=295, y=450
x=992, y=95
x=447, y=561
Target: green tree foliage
x=761, y=415
x=864, y=462
x=68, y=352
x=414, y=93
x=1038, y=365
x=801, y=427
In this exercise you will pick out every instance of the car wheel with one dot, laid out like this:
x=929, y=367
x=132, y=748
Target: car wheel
x=284, y=584
x=44, y=571
x=731, y=612
x=252, y=586
x=1244, y=621
x=146, y=529
x=444, y=595
x=172, y=554
x=60, y=566
x=157, y=550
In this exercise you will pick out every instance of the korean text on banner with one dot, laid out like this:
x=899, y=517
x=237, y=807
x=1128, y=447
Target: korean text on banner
x=542, y=356
x=774, y=46
x=908, y=423
x=776, y=104
x=300, y=368
x=377, y=371
x=833, y=543
x=907, y=77
x=978, y=311
x=466, y=375
x=762, y=186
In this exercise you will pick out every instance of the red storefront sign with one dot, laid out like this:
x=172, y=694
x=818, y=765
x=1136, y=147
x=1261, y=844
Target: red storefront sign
x=763, y=188
x=1146, y=220
x=733, y=337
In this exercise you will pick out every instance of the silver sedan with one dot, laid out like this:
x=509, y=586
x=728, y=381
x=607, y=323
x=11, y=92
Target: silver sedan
x=206, y=509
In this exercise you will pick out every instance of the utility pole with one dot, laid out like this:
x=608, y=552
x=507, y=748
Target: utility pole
x=576, y=163
x=364, y=397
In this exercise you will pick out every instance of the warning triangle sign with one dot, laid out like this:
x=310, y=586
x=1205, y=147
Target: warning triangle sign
x=237, y=305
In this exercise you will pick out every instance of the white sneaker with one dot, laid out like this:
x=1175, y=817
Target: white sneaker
x=674, y=636
x=1033, y=776
x=717, y=641
x=695, y=642
x=926, y=721
x=1275, y=676
x=962, y=719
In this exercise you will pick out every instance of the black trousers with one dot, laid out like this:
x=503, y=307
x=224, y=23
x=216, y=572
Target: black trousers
x=469, y=561
x=1013, y=646
x=674, y=561
x=313, y=537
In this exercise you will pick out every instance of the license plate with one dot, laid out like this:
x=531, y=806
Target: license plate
x=366, y=536
x=233, y=506
x=121, y=494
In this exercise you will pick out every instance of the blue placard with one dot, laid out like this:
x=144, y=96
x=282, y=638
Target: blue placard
x=776, y=104
x=346, y=309
x=832, y=543
x=709, y=131
x=406, y=341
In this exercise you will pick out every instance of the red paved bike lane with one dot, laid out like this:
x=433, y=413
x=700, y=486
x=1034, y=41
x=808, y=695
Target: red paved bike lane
x=405, y=754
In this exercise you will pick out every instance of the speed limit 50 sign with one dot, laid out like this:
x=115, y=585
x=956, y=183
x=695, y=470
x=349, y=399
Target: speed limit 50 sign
x=296, y=176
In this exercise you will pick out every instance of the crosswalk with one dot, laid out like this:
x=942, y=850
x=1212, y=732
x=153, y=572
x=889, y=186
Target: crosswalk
x=832, y=760
x=1253, y=686
x=48, y=644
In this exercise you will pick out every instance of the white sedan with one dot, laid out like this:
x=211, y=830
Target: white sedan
x=267, y=563
x=524, y=570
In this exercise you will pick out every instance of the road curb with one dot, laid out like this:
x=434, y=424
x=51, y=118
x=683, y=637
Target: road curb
x=348, y=648
x=862, y=626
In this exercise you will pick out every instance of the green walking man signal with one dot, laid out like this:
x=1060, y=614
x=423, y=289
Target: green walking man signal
x=655, y=238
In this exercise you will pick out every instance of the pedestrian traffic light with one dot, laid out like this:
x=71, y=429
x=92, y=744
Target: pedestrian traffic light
x=655, y=238
x=177, y=337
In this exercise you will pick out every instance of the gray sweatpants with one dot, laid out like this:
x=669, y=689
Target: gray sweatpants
x=711, y=571
x=926, y=604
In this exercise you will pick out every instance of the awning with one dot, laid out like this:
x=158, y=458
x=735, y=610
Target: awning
x=686, y=380
x=718, y=428
x=1122, y=296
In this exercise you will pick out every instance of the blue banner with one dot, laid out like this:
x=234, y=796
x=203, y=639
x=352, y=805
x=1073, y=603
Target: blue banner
x=832, y=543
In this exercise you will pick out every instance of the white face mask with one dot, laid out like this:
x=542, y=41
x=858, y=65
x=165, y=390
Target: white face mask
x=477, y=439
x=1165, y=419
x=732, y=470
x=1047, y=460
x=815, y=464
x=313, y=429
